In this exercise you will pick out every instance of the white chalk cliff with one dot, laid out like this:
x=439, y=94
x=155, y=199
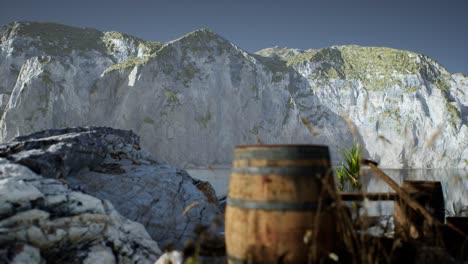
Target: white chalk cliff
x=193, y=99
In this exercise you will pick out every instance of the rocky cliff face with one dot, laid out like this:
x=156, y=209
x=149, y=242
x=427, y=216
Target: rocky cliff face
x=398, y=100
x=194, y=98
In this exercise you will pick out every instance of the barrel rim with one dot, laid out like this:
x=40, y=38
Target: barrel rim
x=269, y=146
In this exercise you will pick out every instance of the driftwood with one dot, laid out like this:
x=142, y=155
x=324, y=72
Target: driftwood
x=410, y=202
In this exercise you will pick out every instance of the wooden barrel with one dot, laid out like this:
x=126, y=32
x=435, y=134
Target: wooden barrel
x=411, y=225
x=279, y=206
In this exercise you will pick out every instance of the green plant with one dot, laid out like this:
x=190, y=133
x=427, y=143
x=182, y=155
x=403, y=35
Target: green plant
x=348, y=173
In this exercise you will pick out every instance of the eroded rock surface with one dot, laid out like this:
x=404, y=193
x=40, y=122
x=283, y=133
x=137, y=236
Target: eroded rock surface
x=43, y=220
x=109, y=164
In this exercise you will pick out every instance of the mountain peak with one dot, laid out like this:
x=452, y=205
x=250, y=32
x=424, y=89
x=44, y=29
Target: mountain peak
x=203, y=40
x=203, y=32
x=120, y=35
x=202, y=35
x=282, y=53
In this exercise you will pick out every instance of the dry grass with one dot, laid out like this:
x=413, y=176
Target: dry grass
x=190, y=206
x=433, y=137
x=351, y=126
x=309, y=126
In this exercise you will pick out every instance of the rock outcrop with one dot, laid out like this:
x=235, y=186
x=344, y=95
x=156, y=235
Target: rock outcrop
x=200, y=95
x=110, y=165
x=42, y=219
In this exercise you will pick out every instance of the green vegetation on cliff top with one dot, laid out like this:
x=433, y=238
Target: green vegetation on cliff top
x=375, y=67
x=60, y=40
x=148, y=47
x=459, y=74
x=56, y=39
x=280, y=53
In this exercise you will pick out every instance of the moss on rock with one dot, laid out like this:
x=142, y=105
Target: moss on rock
x=376, y=68
x=56, y=39
x=186, y=74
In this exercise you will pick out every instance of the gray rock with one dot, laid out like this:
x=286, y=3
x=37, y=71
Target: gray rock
x=19, y=253
x=109, y=164
x=173, y=257
x=56, y=153
x=155, y=195
x=27, y=254
x=42, y=219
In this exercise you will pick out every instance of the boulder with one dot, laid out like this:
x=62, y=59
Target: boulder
x=109, y=164
x=44, y=220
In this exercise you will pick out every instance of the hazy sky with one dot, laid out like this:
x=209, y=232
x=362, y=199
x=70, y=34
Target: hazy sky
x=437, y=28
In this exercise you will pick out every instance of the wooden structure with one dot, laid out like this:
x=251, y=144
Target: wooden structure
x=282, y=203
x=404, y=196
x=279, y=207
x=409, y=224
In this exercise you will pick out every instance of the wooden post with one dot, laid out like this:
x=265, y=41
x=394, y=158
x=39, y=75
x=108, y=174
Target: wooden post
x=410, y=202
x=410, y=224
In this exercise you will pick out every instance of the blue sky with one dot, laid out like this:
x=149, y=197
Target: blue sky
x=438, y=29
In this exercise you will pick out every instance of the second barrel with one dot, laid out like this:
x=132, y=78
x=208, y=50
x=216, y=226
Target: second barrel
x=279, y=207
